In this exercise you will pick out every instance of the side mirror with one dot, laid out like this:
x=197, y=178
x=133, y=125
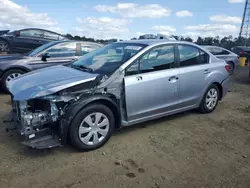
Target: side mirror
x=45, y=56
x=17, y=33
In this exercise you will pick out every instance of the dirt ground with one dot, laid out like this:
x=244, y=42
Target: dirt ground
x=184, y=150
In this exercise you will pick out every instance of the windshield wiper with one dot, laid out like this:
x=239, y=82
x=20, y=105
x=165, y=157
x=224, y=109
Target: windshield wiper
x=83, y=68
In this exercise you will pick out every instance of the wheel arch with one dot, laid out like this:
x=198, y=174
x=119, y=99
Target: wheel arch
x=4, y=39
x=15, y=68
x=230, y=61
x=219, y=86
x=73, y=109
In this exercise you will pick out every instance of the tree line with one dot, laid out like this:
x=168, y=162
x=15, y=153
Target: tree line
x=225, y=42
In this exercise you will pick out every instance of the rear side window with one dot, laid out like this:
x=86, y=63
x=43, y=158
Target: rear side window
x=219, y=51
x=51, y=36
x=190, y=56
x=63, y=50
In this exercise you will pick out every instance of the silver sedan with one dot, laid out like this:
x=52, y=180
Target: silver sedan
x=231, y=58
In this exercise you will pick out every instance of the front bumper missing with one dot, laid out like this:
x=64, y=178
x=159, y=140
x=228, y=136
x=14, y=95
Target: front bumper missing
x=43, y=139
x=37, y=137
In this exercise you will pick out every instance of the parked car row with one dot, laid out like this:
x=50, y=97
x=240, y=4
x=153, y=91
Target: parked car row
x=49, y=54
x=114, y=86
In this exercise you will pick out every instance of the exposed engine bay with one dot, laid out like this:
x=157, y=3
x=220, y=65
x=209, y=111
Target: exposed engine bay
x=42, y=121
x=38, y=118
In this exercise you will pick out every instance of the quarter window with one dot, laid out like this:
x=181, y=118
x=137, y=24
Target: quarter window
x=51, y=36
x=31, y=33
x=190, y=56
x=63, y=50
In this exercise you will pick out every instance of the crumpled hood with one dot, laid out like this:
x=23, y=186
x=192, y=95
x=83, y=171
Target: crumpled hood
x=47, y=81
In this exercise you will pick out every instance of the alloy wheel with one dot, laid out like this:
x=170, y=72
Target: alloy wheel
x=4, y=47
x=94, y=128
x=211, y=98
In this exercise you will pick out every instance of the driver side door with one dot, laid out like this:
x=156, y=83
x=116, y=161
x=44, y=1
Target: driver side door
x=152, y=84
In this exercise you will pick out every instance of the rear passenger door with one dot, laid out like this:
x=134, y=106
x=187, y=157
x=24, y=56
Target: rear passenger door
x=194, y=69
x=152, y=84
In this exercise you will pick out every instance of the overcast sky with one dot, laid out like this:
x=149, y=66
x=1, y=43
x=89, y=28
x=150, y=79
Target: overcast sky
x=125, y=19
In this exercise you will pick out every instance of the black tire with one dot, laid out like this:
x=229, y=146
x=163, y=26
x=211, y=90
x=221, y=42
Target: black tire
x=232, y=67
x=203, y=106
x=6, y=74
x=80, y=116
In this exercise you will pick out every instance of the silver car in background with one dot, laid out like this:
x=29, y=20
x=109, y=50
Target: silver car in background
x=120, y=84
x=231, y=58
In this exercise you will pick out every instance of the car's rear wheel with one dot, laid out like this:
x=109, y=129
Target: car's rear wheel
x=231, y=67
x=4, y=46
x=92, y=127
x=9, y=76
x=210, y=99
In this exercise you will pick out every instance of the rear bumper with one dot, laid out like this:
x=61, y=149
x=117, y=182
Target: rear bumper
x=225, y=87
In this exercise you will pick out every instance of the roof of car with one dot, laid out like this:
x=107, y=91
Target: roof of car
x=246, y=48
x=146, y=41
x=64, y=41
x=207, y=46
x=41, y=30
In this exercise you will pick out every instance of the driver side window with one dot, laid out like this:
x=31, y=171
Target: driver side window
x=158, y=58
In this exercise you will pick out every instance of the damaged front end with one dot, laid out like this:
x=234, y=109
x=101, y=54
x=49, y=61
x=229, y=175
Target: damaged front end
x=38, y=120
x=40, y=100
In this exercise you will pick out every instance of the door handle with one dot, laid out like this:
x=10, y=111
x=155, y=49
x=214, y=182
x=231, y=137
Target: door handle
x=138, y=78
x=172, y=78
x=207, y=71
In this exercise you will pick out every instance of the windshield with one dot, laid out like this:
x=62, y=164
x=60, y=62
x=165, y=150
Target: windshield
x=109, y=58
x=41, y=48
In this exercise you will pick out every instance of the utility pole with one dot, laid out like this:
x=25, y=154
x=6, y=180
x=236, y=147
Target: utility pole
x=245, y=24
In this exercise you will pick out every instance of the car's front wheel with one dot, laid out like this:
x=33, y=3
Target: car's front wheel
x=210, y=99
x=92, y=127
x=9, y=76
x=4, y=46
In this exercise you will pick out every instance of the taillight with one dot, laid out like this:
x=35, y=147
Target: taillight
x=238, y=57
x=227, y=67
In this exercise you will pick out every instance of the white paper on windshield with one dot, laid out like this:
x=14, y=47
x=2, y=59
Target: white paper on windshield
x=133, y=48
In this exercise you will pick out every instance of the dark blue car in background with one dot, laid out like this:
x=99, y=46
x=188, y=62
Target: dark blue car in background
x=49, y=54
x=24, y=40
